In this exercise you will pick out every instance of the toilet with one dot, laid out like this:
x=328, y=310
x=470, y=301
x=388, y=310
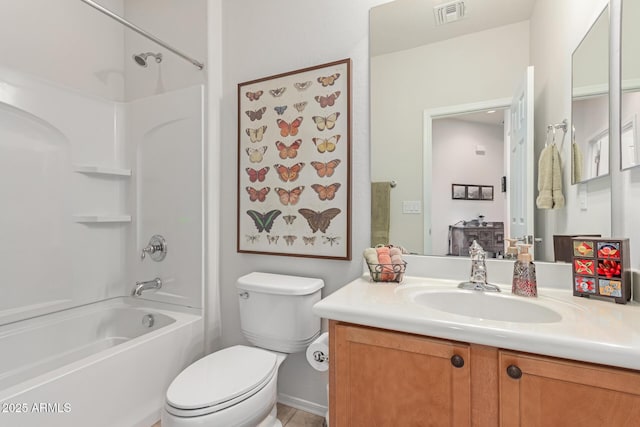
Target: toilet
x=237, y=386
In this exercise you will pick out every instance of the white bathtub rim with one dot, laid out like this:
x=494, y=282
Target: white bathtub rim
x=183, y=317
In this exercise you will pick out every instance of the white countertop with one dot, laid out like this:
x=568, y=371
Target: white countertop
x=590, y=330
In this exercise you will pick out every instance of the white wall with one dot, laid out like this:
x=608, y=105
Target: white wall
x=181, y=24
x=457, y=71
x=65, y=42
x=455, y=161
x=556, y=30
x=262, y=39
x=59, y=63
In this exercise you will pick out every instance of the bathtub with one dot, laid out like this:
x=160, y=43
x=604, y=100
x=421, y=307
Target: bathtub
x=104, y=364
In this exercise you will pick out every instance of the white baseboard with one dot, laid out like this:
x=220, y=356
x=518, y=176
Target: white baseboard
x=302, y=404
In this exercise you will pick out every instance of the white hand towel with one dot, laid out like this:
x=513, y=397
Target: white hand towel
x=550, y=179
x=558, y=197
x=545, y=179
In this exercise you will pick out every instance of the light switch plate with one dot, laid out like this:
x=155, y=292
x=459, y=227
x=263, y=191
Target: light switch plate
x=412, y=206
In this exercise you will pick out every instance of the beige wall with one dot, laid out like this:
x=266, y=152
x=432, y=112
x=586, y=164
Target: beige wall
x=457, y=71
x=260, y=39
x=556, y=30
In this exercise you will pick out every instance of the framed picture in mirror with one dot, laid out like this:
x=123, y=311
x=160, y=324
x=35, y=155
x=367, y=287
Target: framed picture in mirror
x=473, y=192
x=486, y=192
x=458, y=192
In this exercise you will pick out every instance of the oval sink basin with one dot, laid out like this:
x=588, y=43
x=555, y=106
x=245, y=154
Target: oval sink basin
x=490, y=306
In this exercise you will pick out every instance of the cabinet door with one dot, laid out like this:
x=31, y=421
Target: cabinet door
x=541, y=391
x=383, y=378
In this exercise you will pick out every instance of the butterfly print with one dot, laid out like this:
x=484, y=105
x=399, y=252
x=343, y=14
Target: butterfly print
x=303, y=85
x=325, y=169
x=289, y=152
x=257, y=175
x=308, y=240
x=263, y=221
x=328, y=122
x=326, y=144
x=257, y=114
x=259, y=195
x=252, y=238
x=329, y=80
x=254, y=96
x=280, y=110
x=288, y=219
x=326, y=193
x=287, y=129
x=256, y=154
x=289, y=239
x=289, y=197
x=319, y=220
x=256, y=135
x=272, y=239
x=332, y=240
x=329, y=100
x=277, y=92
x=300, y=106
x=289, y=174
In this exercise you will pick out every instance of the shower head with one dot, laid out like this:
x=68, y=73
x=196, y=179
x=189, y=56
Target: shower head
x=141, y=58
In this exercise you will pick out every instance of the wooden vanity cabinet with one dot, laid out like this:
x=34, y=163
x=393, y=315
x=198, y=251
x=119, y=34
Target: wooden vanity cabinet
x=384, y=378
x=543, y=391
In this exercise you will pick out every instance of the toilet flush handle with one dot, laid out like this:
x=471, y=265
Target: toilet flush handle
x=244, y=295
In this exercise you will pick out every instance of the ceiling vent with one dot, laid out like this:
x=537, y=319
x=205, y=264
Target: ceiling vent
x=449, y=12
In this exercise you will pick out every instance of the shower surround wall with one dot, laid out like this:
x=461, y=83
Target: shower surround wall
x=86, y=183
x=90, y=67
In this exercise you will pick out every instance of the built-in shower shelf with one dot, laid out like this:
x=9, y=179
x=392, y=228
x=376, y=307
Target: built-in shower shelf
x=102, y=170
x=101, y=218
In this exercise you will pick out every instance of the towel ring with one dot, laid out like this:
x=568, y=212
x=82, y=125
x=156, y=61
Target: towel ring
x=546, y=140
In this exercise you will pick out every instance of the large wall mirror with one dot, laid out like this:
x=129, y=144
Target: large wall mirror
x=630, y=100
x=590, y=103
x=460, y=78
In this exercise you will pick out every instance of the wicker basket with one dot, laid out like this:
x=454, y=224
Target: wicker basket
x=387, y=272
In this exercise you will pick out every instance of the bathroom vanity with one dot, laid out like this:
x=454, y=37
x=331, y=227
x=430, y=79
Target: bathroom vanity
x=409, y=354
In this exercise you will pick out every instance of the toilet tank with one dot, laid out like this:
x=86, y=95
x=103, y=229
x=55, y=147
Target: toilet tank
x=275, y=310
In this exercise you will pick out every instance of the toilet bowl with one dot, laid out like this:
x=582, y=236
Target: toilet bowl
x=237, y=386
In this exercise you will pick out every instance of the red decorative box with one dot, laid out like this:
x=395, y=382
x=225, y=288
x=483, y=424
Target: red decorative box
x=601, y=268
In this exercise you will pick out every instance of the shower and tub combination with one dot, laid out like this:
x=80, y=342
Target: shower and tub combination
x=102, y=250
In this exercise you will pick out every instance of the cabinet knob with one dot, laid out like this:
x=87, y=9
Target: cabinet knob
x=457, y=361
x=514, y=372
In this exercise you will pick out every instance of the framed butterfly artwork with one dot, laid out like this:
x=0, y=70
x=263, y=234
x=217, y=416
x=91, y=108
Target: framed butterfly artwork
x=294, y=163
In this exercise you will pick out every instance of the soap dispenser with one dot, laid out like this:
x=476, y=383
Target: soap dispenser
x=512, y=249
x=524, y=274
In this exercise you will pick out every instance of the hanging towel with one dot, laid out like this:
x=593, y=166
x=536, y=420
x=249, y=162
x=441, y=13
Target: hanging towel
x=549, y=179
x=558, y=197
x=380, y=212
x=576, y=163
x=545, y=179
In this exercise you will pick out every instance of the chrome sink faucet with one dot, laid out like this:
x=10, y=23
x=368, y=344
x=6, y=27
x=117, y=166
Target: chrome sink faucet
x=145, y=286
x=478, y=279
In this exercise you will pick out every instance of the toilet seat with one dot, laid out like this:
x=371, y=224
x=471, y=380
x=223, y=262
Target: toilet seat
x=220, y=380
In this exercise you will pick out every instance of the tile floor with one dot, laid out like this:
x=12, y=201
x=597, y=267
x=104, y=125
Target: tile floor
x=292, y=417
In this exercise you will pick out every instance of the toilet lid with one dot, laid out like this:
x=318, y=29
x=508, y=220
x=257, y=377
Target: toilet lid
x=221, y=376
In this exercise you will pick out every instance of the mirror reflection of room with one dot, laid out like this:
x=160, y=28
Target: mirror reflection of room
x=590, y=103
x=478, y=162
x=630, y=108
x=427, y=69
